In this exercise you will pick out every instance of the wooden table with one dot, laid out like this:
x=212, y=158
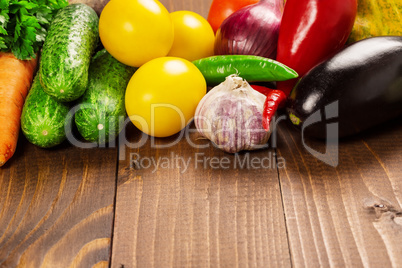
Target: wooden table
x=277, y=207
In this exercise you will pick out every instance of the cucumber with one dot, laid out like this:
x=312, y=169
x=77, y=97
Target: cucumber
x=102, y=110
x=42, y=118
x=71, y=40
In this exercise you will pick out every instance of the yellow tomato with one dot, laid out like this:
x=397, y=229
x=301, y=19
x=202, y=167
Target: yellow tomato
x=193, y=36
x=163, y=94
x=136, y=31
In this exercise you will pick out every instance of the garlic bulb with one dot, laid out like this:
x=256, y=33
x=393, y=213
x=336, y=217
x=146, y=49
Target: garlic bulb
x=230, y=115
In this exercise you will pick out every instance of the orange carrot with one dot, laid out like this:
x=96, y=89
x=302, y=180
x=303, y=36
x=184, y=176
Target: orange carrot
x=15, y=81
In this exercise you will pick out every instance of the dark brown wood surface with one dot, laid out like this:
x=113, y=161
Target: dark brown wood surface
x=277, y=207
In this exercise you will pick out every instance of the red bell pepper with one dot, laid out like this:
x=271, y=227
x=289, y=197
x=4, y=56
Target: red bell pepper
x=221, y=9
x=311, y=31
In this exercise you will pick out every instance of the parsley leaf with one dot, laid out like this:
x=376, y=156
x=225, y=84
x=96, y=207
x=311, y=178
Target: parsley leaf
x=4, y=4
x=24, y=24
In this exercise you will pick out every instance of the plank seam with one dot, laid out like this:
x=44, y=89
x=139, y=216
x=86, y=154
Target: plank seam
x=283, y=206
x=114, y=205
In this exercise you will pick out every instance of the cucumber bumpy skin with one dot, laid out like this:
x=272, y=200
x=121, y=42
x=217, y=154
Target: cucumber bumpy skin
x=42, y=118
x=71, y=40
x=102, y=109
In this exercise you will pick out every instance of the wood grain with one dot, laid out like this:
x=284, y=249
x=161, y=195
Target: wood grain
x=202, y=216
x=348, y=216
x=199, y=6
x=208, y=215
x=56, y=206
x=276, y=207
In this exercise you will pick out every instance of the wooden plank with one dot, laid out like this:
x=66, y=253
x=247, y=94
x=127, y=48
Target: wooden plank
x=212, y=213
x=349, y=215
x=220, y=210
x=199, y=6
x=56, y=206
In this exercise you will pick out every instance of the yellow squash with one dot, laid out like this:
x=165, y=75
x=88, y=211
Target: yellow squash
x=377, y=18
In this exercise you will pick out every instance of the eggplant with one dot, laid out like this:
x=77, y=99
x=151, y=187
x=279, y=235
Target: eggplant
x=358, y=88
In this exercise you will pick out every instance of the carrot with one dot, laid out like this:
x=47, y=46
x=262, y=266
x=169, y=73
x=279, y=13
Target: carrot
x=15, y=81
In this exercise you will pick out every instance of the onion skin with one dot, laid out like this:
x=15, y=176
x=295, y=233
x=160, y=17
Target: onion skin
x=252, y=30
x=221, y=9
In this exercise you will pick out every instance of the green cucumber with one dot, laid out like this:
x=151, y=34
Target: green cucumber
x=42, y=118
x=71, y=40
x=102, y=110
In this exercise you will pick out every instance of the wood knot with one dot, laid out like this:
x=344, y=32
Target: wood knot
x=382, y=208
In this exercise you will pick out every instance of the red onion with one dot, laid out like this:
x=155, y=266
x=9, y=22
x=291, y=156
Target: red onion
x=252, y=30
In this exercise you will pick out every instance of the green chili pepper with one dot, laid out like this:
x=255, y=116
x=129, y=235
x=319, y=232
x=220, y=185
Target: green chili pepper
x=251, y=68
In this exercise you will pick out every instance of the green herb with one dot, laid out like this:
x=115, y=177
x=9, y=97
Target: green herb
x=24, y=24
